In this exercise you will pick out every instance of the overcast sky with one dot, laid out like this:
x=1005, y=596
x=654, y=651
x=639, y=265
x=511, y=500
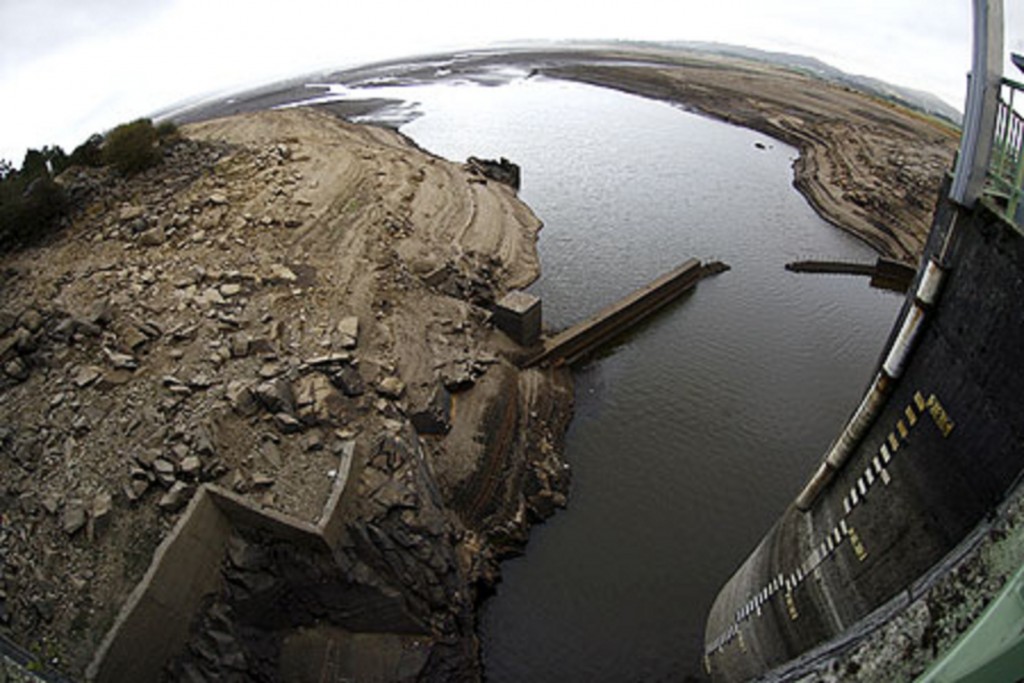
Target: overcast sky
x=69, y=68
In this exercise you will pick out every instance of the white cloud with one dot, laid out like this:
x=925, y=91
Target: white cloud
x=121, y=59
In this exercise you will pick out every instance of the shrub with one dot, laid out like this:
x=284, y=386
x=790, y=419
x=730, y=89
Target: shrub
x=30, y=208
x=89, y=153
x=167, y=130
x=132, y=147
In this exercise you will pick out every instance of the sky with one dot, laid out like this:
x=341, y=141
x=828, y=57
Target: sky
x=70, y=68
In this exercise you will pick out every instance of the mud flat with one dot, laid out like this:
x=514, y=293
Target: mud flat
x=284, y=292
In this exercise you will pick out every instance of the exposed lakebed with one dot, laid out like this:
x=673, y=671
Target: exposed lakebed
x=692, y=433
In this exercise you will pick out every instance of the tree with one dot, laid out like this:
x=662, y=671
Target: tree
x=132, y=147
x=56, y=159
x=88, y=153
x=34, y=165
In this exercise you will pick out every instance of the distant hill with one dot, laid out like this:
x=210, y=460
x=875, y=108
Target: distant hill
x=909, y=97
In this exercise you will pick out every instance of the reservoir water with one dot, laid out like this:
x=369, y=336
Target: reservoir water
x=692, y=434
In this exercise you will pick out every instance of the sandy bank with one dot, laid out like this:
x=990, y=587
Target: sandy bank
x=285, y=287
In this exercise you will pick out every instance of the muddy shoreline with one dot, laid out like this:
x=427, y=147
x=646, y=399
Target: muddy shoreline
x=288, y=297
x=868, y=166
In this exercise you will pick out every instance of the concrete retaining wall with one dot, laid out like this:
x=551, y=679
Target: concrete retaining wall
x=156, y=621
x=944, y=450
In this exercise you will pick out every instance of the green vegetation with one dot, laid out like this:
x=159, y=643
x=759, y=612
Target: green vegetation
x=32, y=203
x=132, y=147
x=167, y=131
x=89, y=153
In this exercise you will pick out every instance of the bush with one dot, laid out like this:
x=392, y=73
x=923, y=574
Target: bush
x=89, y=153
x=30, y=208
x=167, y=130
x=132, y=147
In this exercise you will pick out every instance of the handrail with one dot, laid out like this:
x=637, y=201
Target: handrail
x=1005, y=178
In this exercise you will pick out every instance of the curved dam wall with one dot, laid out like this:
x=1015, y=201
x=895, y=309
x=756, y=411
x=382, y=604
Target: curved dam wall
x=943, y=450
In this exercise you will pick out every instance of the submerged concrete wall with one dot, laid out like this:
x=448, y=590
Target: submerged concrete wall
x=944, y=450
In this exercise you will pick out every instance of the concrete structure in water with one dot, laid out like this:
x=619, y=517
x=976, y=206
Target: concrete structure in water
x=583, y=338
x=937, y=441
x=518, y=314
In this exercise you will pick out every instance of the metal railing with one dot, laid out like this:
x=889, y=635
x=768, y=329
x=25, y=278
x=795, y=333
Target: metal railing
x=1005, y=181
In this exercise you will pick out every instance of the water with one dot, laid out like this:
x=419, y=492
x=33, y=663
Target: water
x=693, y=433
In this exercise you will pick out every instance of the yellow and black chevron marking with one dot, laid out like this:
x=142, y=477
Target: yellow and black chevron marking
x=877, y=470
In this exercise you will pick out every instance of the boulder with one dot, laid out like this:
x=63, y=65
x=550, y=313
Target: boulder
x=243, y=400
x=282, y=274
x=16, y=369
x=99, y=519
x=240, y=344
x=153, y=237
x=84, y=375
x=31, y=320
x=164, y=470
x=190, y=466
x=176, y=498
x=120, y=361
x=276, y=395
x=431, y=412
x=316, y=400
x=348, y=332
x=286, y=424
x=74, y=516
x=391, y=387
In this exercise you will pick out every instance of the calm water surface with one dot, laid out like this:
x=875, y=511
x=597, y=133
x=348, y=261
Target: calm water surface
x=693, y=433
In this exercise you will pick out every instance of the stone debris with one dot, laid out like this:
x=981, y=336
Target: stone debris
x=86, y=375
x=74, y=516
x=176, y=498
x=180, y=335
x=154, y=237
x=348, y=332
x=282, y=274
x=99, y=517
x=391, y=387
x=121, y=361
x=287, y=424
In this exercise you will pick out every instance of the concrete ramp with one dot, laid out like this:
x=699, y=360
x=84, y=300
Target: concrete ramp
x=580, y=340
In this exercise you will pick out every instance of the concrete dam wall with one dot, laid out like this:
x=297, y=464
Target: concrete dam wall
x=943, y=447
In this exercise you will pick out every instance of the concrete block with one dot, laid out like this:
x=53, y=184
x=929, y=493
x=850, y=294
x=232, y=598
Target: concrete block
x=518, y=314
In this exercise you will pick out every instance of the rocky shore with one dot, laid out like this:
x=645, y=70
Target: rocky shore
x=283, y=289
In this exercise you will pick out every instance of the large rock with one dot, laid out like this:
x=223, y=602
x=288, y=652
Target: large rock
x=242, y=399
x=317, y=401
x=348, y=332
x=430, y=413
x=99, y=519
x=176, y=498
x=153, y=237
x=349, y=381
x=391, y=387
x=276, y=395
x=74, y=516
